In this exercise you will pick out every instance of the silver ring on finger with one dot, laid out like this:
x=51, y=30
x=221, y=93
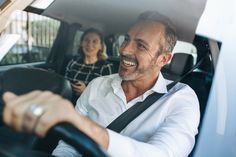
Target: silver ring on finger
x=31, y=117
x=36, y=110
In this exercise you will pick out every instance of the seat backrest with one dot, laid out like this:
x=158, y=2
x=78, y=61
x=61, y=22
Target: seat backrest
x=115, y=60
x=181, y=63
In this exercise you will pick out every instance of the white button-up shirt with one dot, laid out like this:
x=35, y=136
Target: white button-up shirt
x=166, y=129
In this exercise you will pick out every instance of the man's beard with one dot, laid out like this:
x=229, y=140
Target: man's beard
x=137, y=72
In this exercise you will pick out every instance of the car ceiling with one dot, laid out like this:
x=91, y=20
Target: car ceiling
x=113, y=16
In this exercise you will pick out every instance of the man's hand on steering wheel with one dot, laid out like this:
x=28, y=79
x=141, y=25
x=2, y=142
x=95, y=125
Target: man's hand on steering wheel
x=37, y=111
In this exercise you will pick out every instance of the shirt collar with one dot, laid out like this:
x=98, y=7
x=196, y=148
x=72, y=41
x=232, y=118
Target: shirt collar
x=159, y=86
x=116, y=83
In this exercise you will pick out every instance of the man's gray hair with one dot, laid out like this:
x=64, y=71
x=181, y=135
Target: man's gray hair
x=170, y=32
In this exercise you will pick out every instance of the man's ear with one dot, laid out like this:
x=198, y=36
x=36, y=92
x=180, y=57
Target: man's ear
x=164, y=58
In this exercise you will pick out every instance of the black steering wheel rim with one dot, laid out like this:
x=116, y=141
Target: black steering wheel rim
x=68, y=133
x=76, y=138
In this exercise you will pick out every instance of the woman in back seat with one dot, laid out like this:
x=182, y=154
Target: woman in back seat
x=91, y=63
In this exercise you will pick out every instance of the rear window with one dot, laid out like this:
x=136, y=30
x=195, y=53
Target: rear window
x=33, y=36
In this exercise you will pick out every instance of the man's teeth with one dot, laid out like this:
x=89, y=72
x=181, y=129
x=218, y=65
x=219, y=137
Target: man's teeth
x=128, y=63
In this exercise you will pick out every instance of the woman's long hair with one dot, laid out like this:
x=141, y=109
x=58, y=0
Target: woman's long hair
x=101, y=53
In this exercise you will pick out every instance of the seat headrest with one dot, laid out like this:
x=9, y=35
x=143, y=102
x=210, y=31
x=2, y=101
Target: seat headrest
x=181, y=63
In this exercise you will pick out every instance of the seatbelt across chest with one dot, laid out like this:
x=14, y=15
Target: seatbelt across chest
x=129, y=115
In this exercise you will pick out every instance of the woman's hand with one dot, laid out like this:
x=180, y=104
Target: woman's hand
x=78, y=87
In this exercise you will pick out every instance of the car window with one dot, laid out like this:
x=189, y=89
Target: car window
x=36, y=36
x=76, y=42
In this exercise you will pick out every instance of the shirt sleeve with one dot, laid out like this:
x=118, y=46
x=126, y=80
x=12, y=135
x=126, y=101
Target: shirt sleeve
x=120, y=145
x=169, y=145
x=65, y=150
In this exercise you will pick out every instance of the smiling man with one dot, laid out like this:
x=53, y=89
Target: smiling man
x=165, y=129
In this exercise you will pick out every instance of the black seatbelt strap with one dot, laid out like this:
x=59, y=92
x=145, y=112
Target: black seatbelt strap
x=129, y=115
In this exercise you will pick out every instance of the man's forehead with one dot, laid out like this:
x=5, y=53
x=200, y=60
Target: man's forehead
x=146, y=30
x=147, y=25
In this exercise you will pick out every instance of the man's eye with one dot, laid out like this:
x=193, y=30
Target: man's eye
x=141, y=46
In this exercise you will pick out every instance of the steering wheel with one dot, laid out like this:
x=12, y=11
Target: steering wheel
x=68, y=133
x=25, y=82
